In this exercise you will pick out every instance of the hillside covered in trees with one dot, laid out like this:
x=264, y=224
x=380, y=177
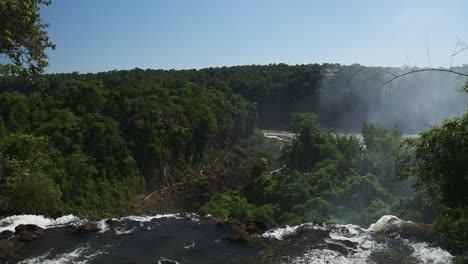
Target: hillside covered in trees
x=343, y=96
x=122, y=142
x=82, y=146
x=88, y=144
x=114, y=134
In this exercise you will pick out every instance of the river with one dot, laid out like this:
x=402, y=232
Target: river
x=283, y=135
x=189, y=238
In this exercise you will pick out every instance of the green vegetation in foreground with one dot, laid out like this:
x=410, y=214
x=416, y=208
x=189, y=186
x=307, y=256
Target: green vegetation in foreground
x=87, y=148
x=439, y=160
x=327, y=177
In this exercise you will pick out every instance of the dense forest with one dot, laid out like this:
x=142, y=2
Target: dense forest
x=93, y=144
x=343, y=96
x=83, y=147
x=89, y=143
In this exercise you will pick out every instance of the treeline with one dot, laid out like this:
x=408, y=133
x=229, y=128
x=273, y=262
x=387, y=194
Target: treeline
x=343, y=96
x=86, y=144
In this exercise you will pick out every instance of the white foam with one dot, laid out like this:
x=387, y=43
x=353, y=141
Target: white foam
x=365, y=243
x=274, y=137
x=279, y=233
x=355, y=234
x=9, y=223
x=164, y=260
x=148, y=218
x=103, y=227
x=322, y=256
x=189, y=246
x=124, y=232
x=428, y=254
x=66, y=258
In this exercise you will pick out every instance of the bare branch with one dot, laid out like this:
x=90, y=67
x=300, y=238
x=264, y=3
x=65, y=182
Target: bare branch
x=462, y=46
x=460, y=50
x=391, y=73
x=401, y=81
x=427, y=49
x=425, y=70
x=407, y=60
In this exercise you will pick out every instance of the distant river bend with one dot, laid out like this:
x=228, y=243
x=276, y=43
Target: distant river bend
x=283, y=135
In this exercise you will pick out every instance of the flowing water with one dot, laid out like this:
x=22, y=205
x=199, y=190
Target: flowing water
x=189, y=238
x=287, y=136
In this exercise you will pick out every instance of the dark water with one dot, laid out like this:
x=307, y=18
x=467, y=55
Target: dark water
x=195, y=239
x=164, y=240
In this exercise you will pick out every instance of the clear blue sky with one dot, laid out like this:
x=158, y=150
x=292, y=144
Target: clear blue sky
x=101, y=35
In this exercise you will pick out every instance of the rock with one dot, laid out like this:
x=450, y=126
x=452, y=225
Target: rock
x=347, y=243
x=36, y=230
x=86, y=227
x=26, y=236
x=6, y=234
x=338, y=248
x=392, y=226
x=5, y=247
x=216, y=221
x=8, y=248
x=112, y=222
x=219, y=222
x=29, y=232
x=242, y=231
x=310, y=231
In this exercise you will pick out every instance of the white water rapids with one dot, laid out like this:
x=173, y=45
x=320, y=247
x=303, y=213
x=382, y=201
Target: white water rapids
x=366, y=241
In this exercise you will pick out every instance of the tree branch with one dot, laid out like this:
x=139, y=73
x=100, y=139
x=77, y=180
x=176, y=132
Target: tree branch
x=425, y=70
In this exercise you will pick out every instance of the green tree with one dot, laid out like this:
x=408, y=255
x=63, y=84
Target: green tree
x=23, y=36
x=25, y=186
x=439, y=160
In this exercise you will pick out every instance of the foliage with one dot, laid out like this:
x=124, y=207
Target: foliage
x=452, y=229
x=23, y=39
x=24, y=182
x=106, y=141
x=438, y=159
x=234, y=207
x=327, y=177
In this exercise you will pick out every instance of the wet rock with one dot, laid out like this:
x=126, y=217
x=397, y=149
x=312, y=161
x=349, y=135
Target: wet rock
x=242, y=231
x=34, y=229
x=395, y=252
x=214, y=221
x=26, y=236
x=28, y=232
x=6, y=234
x=318, y=234
x=8, y=248
x=112, y=222
x=346, y=243
x=395, y=227
x=338, y=248
x=5, y=247
x=85, y=227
